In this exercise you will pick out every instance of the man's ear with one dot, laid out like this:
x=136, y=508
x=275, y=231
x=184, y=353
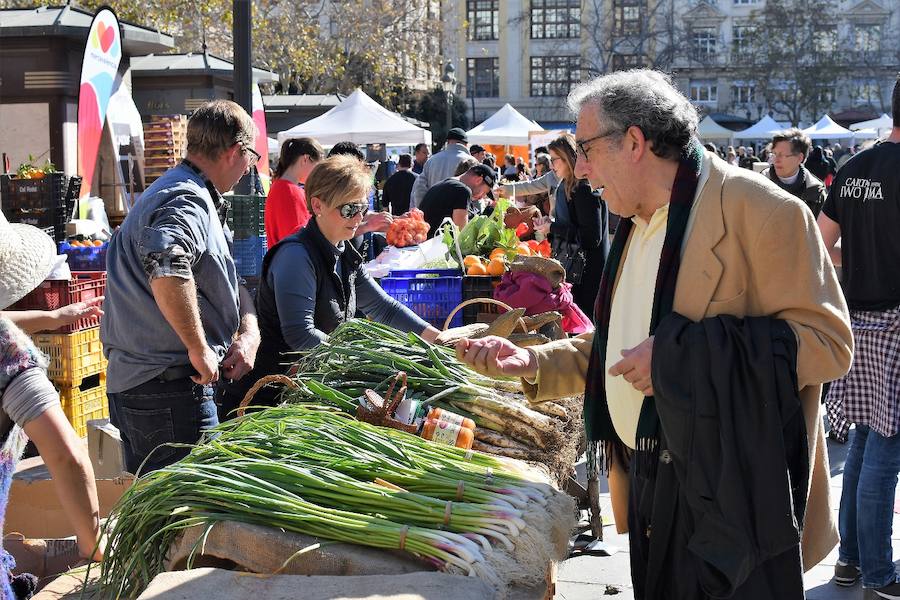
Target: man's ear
x=636, y=144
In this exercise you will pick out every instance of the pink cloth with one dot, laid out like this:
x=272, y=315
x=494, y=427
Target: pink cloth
x=535, y=294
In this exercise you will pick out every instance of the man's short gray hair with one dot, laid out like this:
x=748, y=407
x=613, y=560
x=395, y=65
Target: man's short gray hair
x=645, y=99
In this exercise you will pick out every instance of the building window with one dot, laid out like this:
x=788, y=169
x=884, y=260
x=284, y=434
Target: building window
x=703, y=43
x=742, y=39
x=825, y=41
x=627, y=16
x=743, y=93
x=553, y=19
x=483, y=19
x=704, y=90
x=867, y=38
x=867, y=93
x=554, y=75
x=483, y=77
x=621, y=62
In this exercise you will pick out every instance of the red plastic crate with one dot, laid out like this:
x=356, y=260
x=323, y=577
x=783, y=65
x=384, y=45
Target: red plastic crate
x=52, y=294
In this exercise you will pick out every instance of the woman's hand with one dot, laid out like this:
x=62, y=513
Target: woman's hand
x=542, y=225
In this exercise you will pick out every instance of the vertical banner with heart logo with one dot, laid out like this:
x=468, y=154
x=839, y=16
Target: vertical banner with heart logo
x=262, y=140
x=102, y=55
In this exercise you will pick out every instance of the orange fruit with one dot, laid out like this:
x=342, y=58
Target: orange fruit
x=471, y=259
x=98, y=243
x=477, y=269
x=496, y=267
x=496, y=252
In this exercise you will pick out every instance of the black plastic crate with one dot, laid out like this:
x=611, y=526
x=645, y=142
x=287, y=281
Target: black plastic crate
x=30, y=194
x=478, y=287
x=246, y=218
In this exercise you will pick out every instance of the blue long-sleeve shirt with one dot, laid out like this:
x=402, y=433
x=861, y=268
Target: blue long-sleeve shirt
x=295, y=297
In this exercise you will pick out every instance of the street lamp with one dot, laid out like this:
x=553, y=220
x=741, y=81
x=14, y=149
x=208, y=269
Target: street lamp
x=448, y=83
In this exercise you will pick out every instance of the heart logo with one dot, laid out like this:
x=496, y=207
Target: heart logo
x=107, y=36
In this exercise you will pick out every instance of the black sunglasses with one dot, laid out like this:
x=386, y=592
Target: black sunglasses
x=350, y=210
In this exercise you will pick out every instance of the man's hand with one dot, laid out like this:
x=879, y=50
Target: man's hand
x=635, y=366
x=495, y=356
x=376, y=221
x=205, y=361
x=241, y=356
x=67, y=315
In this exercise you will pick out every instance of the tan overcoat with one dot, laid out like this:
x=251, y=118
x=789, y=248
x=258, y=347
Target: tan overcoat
x=753, y=250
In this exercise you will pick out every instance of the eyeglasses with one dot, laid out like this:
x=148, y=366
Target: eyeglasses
x=778, y=156
x=254, y=155
x=582, y=144
x=351, y=209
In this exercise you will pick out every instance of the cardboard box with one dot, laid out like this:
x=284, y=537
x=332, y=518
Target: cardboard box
x=105, y=449
x=42, y=558
x=34, y=509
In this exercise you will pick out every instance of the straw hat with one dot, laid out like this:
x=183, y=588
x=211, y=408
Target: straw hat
x=26, y=258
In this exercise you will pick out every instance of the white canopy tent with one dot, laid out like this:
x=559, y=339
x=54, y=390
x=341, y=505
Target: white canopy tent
x=274, y=147
x=827, y=129
x=866, y=134
x=764, y=129
x=507, y=126
x=360, y=120
x=708, y=129
x=881, y=125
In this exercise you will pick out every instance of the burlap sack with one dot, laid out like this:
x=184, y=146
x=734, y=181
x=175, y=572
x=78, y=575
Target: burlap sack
x=231, y=585
x=268, y=550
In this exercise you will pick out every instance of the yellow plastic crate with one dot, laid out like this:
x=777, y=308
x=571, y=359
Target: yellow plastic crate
x=85, y=402
x=73, y=356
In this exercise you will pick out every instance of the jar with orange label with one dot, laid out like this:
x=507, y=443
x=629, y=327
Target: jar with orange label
x=443, y=432
x=439, y=414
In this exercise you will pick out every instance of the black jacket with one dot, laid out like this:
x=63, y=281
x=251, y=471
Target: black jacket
x=807, y=187
x=335, y=296
x=726, y=393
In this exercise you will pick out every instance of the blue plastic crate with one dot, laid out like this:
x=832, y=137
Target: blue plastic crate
x=248, y=255
x=430, y=293
x=85, y=258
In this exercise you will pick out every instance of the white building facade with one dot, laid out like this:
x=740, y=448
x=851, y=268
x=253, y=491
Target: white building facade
x=530, y=52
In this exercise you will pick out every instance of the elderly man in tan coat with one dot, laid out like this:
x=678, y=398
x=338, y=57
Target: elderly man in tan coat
x=706, y=241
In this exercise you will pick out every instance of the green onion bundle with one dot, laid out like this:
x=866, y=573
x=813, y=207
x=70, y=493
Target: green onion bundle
x=315, y=471
x=362, y=355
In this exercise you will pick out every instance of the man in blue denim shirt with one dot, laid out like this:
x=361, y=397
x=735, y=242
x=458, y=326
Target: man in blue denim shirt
x=175, y=314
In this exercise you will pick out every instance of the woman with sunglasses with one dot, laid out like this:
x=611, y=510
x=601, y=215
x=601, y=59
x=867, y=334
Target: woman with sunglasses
x=313, y=280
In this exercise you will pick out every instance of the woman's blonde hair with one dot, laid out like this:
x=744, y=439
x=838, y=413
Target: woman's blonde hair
x=337, y=180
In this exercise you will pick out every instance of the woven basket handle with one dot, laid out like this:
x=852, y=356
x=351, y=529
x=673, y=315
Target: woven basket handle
x=282, y=379
x=471, y=301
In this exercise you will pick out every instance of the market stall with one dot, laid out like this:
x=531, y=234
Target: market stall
x=360, y=120
x=505, y=132
x=764, y=129
x=826, y=129
x=882, y=125
x=709, y=130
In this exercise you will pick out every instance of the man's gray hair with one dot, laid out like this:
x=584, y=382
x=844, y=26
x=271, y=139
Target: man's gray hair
x=645, y=99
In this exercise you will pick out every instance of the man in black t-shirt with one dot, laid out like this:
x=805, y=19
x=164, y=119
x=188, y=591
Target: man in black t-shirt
x=863, y=211
x=451, y=197
x=398, y=187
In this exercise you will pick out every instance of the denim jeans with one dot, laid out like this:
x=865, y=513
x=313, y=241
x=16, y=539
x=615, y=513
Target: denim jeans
x=867, y=504
x=161, y=412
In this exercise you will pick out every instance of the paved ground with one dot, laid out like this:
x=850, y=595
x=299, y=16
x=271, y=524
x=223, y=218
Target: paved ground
x=593, y=577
